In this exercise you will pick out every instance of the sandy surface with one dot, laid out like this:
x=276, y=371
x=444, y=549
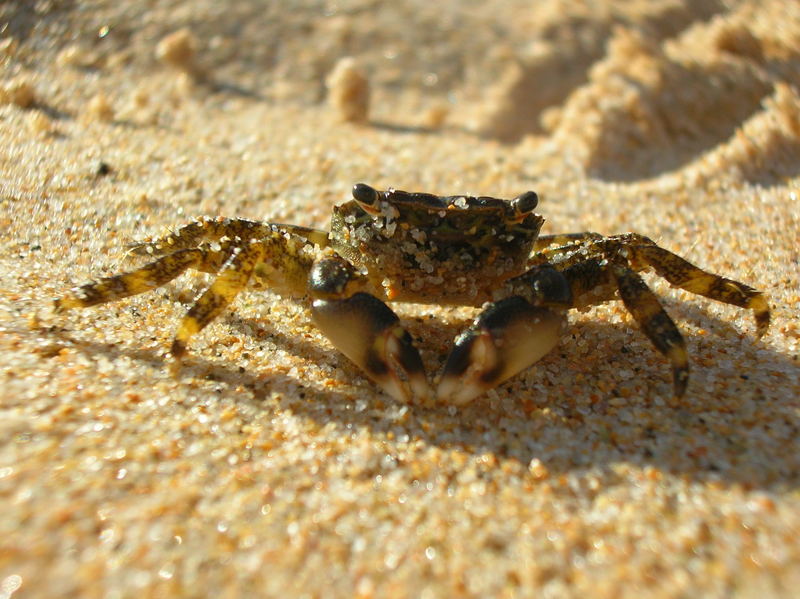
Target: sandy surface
x=270, y=465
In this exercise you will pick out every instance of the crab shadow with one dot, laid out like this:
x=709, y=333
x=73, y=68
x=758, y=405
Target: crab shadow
x=749, y=437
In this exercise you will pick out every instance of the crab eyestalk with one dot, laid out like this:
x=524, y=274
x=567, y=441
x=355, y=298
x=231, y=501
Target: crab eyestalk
x=505, y=339
x=367, y=197
x=521, y=206
x=525, y=202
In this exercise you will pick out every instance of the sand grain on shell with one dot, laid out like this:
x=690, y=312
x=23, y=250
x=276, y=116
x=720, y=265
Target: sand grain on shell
x=269, y=465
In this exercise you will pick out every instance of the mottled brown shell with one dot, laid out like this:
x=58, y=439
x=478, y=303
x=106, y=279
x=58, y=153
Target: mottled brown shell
x=425, y=248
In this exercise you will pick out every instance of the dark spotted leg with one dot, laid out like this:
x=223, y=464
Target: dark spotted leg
x=207, y=229
x=507, y=337
x=142, y=279
x=683, y=274
x=277, y=260
x=232, y=278
x=191, y=235
x=366, y=330
x=643, y=304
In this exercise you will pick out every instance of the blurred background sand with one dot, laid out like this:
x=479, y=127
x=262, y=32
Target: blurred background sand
x=269, y=465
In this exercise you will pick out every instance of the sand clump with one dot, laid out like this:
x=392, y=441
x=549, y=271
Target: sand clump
x=558, y=61
x=435, y=116
x=640, y=104
x=99, y=108
x=19, y=91
x=40, y=124
x=8, y=47
x=77, y=57
x=348, y=91
x=179, y=51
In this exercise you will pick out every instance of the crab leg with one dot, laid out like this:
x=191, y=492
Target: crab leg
x=274, y=258
x=207, y=229
x=595, y=281
x=146, y=278
x=614, y=267
x=640, y=252
x=366, y=330
x=643, y=304
x=203, y=229
x=232, y=278
x=682, y=273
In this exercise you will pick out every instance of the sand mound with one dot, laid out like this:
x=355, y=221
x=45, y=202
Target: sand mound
x=653, y=101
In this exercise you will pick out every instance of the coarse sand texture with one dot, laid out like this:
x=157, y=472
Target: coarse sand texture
x=269, y=465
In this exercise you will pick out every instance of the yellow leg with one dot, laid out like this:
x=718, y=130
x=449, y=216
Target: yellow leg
x=142, y=279
x=233, y=277
x=202, y=230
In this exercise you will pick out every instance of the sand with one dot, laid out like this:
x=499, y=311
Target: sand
x=269, y=465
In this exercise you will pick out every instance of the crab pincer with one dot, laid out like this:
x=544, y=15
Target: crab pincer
x=366, y=330
x=506, y=338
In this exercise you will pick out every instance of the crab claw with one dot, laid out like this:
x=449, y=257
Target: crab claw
x=506, y=338
x=366, y=330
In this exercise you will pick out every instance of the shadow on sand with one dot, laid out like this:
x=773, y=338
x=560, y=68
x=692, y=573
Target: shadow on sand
x=749, y=438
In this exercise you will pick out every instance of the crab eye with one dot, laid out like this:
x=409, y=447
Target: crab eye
x=364, y=194
x=525, y=202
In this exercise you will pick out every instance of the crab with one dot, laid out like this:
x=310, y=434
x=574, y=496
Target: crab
x=396, y=246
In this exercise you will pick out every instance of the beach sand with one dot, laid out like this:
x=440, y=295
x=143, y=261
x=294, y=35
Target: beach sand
x=269, y=465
